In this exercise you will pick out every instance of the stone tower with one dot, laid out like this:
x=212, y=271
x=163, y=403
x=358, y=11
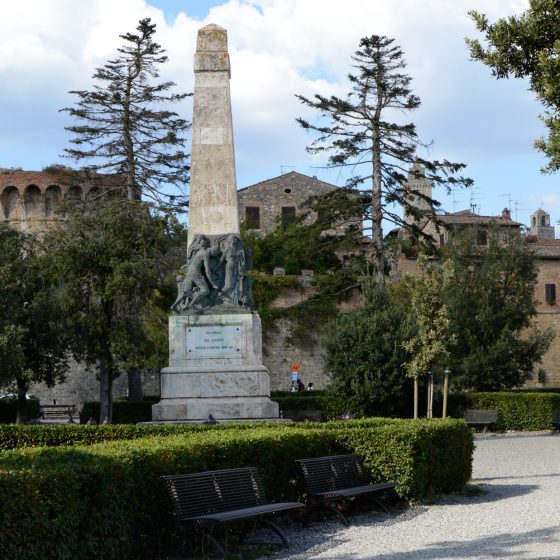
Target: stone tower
x=540, y=225
x=416, y=186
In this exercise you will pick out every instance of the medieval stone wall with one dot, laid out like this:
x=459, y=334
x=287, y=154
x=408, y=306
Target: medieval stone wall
x=33, y=201
x=82, y=385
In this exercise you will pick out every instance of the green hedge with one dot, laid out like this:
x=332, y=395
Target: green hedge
x=517, y=410
x=330, y=407
x=8, y=410
x=124, y=411
x=106, y=500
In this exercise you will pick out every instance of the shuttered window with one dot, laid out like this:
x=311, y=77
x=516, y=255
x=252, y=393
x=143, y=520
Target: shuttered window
x=253, y=217
x=550, y=293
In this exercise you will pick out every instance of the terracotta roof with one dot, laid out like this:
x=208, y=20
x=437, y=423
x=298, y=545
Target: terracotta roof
x=467, y=217
x=546, y=248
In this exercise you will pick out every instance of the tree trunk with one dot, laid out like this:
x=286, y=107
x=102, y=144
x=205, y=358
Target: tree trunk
x=105, y=390
x=415, y=396
x=377, y=216
x=135, y=392
x=430, y=413
x=445, y=393
x=21, y=414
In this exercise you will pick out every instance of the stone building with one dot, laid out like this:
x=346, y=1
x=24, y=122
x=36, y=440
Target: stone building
x=541, y=240
x=264, y=205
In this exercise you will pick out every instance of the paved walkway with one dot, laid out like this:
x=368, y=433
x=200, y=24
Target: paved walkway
x=515, y=514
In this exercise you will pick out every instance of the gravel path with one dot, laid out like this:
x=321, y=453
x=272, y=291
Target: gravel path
x=516, y=514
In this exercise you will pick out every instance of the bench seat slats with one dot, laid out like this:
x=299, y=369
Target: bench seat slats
x=245, y=513
x=355, y=491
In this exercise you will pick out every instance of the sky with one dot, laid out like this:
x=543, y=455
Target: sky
x=279, y=48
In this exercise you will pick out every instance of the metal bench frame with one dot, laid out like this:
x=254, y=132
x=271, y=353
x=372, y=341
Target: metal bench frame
x=337, y=478
x=485, y=418
x=206, y=499
x=555, y=421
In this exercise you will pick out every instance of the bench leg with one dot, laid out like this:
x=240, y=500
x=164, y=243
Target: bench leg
x=214, y=542
x=277, y=530
x=334, y=509
x=380, y=504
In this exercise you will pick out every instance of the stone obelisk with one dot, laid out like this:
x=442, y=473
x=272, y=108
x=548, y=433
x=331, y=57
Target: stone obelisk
x=215, y=339
x=213, y=191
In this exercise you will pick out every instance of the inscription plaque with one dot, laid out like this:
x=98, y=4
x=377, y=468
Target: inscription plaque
x=218, y=341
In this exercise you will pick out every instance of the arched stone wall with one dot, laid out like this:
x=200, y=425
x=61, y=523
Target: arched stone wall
x=53, y=199
x=74, y=194
x=33, y=202
x=11, y=203
x=94, y=195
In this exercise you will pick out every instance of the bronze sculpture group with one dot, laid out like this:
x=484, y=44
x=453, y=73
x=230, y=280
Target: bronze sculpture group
x=215, y=275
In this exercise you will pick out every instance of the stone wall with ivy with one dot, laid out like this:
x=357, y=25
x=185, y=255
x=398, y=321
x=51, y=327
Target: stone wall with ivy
x=295, y=314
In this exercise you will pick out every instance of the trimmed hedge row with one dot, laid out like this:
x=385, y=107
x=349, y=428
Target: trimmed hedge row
x=330, y=407
x=517, y=410
x=124, y=411
x=8, y=410
x=106, y=501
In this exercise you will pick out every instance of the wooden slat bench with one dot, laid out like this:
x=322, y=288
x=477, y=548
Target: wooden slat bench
x=482, y=418
x=338, y=478
x=203, y=500
x=57, y=410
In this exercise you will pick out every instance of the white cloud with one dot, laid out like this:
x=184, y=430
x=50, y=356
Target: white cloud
x=278, y=48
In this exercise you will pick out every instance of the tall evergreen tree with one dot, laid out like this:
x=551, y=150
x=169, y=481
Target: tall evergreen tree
x=360, y=134
x=527, y=46
x=33, y=340
x=126, y=126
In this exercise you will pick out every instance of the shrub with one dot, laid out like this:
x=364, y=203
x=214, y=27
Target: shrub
x=8, y=410
x=106, y=500
x=124, y=411
x=517, y=410
x=364, y=355
x=330, y=407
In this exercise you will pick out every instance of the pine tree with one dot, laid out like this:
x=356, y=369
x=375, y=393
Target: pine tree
x=527, y=46
x=125, y=125
x=359, y=135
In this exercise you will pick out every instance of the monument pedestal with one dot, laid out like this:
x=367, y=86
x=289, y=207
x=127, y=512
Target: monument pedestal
x=215, y=367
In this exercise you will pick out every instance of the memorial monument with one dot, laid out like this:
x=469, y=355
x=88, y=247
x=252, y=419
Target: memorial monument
x=215, y=339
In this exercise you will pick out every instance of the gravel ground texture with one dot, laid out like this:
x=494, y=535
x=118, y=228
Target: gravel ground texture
x=512, y=511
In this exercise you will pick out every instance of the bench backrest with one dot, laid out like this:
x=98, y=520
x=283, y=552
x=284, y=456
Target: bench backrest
x=556, y=416
x=332, y=473
x=481, y=416
x=215, y=491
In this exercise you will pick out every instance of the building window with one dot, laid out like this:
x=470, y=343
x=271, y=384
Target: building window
x=543, y=220
x=288, y=214
x=253, y=217
x=441, y=239
x=550, y=293
x=481, y=238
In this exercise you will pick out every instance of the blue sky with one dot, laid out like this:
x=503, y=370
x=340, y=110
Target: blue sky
x=279, y=48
